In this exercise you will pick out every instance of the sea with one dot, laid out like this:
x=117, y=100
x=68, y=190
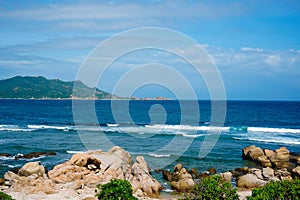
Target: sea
x=156, y=129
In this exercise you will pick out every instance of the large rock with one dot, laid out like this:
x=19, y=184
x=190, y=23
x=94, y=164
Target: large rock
x=280, y=158
x=182, y=181
x=268, y=173
x=252, y=152
x=283, y=174
x=142, y=180
x=264, y=161
x=226, y=176
x=167, y=175
x=84, y=160
x=32, y=168
x=296, y=171
x=250, y=181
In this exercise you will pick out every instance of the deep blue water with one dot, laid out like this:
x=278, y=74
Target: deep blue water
x=44, y=125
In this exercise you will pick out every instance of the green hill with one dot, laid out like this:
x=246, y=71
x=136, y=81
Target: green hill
x=41, y=88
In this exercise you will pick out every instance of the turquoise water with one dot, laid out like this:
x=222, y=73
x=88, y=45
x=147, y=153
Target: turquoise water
x=44, y=125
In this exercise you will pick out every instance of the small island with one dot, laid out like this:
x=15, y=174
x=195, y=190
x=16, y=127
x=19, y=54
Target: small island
x=38, y=87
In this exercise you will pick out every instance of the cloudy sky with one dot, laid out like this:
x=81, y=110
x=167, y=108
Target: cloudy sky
x=255, y=44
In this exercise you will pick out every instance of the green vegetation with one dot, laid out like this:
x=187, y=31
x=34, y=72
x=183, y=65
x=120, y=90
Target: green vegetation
x=4, y=196
x=213, y=188
x=279, y=190
x=115, y=190
x=39, y=87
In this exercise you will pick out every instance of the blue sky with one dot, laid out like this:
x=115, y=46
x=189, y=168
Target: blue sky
x=255, y=44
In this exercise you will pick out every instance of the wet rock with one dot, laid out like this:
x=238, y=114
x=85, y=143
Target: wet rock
x=194, y=173
x=212, y=171
x=240, y=171
x=34, y=155
x=2, y=181
x=167, y=175
x=5, y=154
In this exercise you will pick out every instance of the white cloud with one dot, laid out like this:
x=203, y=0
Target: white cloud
x=249, y=49
x=273, y=60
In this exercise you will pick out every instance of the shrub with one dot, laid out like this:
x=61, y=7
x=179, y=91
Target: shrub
x=284, y=190
x=4, y=196
x=115, y=190
x=213, y=188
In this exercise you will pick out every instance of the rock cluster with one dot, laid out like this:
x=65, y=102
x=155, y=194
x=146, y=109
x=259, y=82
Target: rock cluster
x=277, y=165
x=84, y=171
x=183, y=180
x=280, y=158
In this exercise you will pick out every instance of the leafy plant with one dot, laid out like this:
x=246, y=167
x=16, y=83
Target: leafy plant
x=284, y=190
x=116, y=189
x=213, y=188
x=4, y=196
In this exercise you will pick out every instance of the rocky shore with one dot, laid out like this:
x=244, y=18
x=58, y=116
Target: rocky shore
x=77, y=178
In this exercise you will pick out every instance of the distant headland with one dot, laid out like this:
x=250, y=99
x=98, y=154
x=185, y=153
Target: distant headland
x=38, y=87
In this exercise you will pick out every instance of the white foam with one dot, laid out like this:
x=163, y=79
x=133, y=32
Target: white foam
x=168, y=190
x=48, y=127
x=159, y=155
x=270, y=140
x=112, y=125
x=74, y=152
x=272, y=130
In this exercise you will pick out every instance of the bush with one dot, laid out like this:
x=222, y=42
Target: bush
x=115, y=190
x=284, y=190
x=213, y=188
x=4, y=196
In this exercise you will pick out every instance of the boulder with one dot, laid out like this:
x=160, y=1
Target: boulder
x=85, y=160
x=252, y=153
x=296, y=171
x=283, y=174
x=182, y=181
x=257, y=172
x=212, y=171
x=226, y=176
x=185, y=185
x=268, y=153
x=177, y=167
x=32, y=168
x=9, y=176
x=268, y=173
x=2, y=181
x=240, y=171
x=142, y=180
x=167, y=175
x=194, y=173
x=280, y=158
x=250, y=181
x=264, y=161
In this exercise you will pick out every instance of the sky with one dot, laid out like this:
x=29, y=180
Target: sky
x=254, y=44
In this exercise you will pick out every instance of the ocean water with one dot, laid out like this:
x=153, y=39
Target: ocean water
x=157, y=130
